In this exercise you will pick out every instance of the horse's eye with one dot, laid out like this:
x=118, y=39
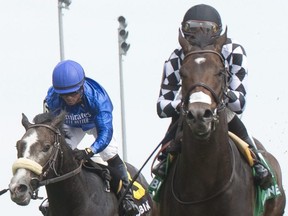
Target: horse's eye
x=181, y=72
x=221, y=72
x=46, y=147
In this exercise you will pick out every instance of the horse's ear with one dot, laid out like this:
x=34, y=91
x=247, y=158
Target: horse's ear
x=25, y=121
x=220, y=41
x=59, y=119
x=186, y=46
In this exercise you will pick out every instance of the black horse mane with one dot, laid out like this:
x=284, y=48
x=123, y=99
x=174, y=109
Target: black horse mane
x=43, y=118
x=46, y=118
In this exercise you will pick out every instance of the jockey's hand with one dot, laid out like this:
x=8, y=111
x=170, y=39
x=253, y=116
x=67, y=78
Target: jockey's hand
x=85, y=154
x=231, y=96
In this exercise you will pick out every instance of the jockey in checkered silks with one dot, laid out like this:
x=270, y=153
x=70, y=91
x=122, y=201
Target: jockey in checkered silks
x=168, y=104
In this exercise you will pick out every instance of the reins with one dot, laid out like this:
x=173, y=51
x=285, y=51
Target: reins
x=62, y=177
x=175, y=124
x=222, y=190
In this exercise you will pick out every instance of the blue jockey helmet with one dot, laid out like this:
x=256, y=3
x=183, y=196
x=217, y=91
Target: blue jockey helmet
x=68, y=77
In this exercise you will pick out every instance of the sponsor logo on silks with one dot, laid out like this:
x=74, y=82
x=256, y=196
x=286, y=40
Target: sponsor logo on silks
x=76, y=119
x=144, y=207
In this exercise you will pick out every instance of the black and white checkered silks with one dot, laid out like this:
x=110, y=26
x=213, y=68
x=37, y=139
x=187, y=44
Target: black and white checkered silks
x=170, y=92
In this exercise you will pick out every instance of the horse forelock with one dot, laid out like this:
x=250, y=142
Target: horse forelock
x=48, y=118
x=202, y=39
x=43, y=118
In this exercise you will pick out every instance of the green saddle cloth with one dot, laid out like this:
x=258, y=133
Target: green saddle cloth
x=261, y=195
x=156, y=183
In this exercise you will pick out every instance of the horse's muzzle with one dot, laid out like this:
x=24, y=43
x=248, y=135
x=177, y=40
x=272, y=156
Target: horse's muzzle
x=200, y=120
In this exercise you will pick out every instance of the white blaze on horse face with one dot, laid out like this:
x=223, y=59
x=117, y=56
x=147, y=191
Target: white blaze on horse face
x=30, y=140
x=200, y=60
x=21, y=174
x=18, y=177
x=200, y=97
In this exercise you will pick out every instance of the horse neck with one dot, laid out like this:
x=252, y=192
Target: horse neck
x=65, y=164
x=69, y=163
x=65, y=161
x=206, y=159
x=62, y=195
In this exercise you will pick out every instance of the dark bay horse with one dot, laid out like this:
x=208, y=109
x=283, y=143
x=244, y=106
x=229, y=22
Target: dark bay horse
x=210, y=177
x=44, y=158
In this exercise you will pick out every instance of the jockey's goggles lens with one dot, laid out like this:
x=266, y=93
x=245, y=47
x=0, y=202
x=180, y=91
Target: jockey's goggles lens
x=191, y=26
x=71, y=94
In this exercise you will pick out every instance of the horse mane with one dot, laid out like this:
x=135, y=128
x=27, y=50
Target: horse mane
x=46, y=118
x=43, y=118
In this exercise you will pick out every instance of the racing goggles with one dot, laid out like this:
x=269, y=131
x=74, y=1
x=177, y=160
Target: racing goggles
x=191, y=26
x=72, y=94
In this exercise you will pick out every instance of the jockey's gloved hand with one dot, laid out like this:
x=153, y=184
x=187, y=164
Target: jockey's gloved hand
x=85, y=154
x=231, y=96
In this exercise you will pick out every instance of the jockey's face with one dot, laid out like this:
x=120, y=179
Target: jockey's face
x=72, y=99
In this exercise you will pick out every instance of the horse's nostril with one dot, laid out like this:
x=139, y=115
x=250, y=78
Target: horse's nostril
x=207, y=114
x=190, y=116
x=22, y=188
x=199, y=115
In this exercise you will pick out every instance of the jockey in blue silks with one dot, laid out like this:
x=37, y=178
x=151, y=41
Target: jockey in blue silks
x=89, y=111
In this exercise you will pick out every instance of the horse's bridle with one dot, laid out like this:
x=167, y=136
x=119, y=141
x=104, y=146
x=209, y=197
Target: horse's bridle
x=56, y=147
x=220, y=106
x=35, y=183
x=206, y=51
